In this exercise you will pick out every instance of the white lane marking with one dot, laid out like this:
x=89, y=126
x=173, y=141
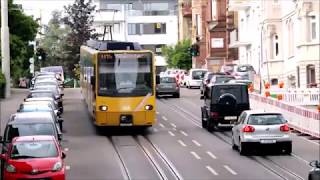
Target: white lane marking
x=66, y=149
x=211, y=155
x=161, y=125
x=185, y=134
x=164, y=118
x=155, y=130
x=171, y=133
x=230, y=170
x=68, y=167
x=195, y=155
x=303, y=138
x=174, y=129
x=196, y=143
x=157, y=112
x=212, y=170
x=182, y=143
x=300, y=158
x=173, y=125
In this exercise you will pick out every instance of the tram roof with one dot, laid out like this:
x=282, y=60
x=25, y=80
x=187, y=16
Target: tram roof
x=113, y=45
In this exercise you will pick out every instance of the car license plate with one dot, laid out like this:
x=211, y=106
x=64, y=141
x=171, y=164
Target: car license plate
x=230, y=118
x=267, y=141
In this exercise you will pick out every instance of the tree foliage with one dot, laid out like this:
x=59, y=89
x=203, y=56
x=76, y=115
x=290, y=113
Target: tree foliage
x=23, y=29
x=54, y=42
x=80, y=19
x=178, y=56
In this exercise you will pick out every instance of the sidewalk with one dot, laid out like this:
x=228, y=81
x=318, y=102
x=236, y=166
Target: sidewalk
x=10, y=106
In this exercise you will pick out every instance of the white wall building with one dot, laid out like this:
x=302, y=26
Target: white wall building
x=152, y=23
x=282, y=37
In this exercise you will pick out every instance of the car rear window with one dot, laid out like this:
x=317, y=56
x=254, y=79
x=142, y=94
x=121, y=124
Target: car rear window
x=38, y=149
x=244, y=68
x=223, y=79
x=32, y=129
x=198, y=75
x=266, y=119
x=239, y=91
x=167, y=80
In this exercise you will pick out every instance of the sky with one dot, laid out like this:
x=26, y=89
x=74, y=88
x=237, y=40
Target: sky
x=42, y=8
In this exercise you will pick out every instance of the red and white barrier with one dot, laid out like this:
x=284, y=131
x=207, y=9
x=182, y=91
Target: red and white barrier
x=304, y=120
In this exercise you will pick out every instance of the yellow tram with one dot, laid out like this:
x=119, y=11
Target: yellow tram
x=117, y=81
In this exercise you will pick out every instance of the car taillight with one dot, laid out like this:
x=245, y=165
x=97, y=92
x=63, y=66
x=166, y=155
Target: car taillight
x=284, y=128
x=214, y=114
x=248, y=129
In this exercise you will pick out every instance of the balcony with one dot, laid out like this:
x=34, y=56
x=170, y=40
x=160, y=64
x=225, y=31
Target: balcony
x=187, y=9
x=235, y=41
x=238, y=5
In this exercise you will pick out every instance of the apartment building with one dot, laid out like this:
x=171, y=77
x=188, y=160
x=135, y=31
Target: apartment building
x=152, y=23
x=280, y=39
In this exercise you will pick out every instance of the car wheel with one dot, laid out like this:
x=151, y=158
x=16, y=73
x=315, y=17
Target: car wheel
x=210, y=126
x=243, y=148
x=288, y=149
x=234, y=146
x=203, y=122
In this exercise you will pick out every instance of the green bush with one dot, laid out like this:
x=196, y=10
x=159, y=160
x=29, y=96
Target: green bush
x=2, y=79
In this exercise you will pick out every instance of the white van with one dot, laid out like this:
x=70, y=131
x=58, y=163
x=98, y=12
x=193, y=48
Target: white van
x=195, y=77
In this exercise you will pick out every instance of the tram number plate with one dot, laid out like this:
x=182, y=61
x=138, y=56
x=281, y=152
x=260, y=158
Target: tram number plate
x=126, y=120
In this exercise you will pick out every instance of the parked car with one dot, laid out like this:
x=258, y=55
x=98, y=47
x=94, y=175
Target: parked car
x=256, y=128
x=314, y=174
x=245, y=71
x=33, y=157
x=41, y=106
x=195, y=77
x=30, y=124
x=47, y=99
x=168, y=85
x=223, y=103
x=55, y=91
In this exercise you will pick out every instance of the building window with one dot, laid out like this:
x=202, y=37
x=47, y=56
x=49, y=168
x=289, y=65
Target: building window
x=198, y=25
x=274, y=81
x=276, y=45
x=147, y=28
x=298, y=76
x=134, y=29
x=311, y=75
x=313, y=27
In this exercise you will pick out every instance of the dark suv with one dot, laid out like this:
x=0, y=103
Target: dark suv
x=223, y=103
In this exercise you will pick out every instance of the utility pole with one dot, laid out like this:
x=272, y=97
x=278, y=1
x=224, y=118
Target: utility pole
x=5, y=51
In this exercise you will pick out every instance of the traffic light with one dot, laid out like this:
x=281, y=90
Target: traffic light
x=41, y=54
x=194, y=50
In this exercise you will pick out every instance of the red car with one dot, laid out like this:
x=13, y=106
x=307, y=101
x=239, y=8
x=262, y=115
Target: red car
x=33, y=157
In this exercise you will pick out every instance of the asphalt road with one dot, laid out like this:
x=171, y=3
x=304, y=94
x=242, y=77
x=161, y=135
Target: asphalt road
x=175, y=148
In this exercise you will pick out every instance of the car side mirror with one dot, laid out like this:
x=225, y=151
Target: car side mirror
x=60, y=137
x=93, y=80
x=63, y=155
x=3, y=156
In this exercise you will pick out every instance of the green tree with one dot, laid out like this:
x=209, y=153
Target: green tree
x=23, y=29
x=54, y=42
x=79, y=18
x=178, y=56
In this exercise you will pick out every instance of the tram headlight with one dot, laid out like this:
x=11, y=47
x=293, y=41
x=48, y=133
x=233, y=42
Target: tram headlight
x=148, y=107
x=103, y=108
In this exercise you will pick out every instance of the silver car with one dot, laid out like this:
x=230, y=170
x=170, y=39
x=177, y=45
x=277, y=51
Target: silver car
x=258, y=128
x=168, y=85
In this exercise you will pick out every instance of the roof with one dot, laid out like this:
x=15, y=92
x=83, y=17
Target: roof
x=33, y=138
x=260, y=111
x=31, y=117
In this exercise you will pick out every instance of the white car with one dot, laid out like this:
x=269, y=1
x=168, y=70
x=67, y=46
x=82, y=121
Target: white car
x=256, y=128
x=195, y=77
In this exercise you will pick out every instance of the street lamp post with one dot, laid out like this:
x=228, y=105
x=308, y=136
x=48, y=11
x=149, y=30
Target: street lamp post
x=5, y=51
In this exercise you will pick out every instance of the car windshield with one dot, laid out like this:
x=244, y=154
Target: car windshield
x=168, y=80
x=266, y=119
x=198, y=75
x=40, y=94
x=31, y=129
x=38, y=149
x=32, y=108
x=239, y=91
x=122, y=75
x=53, y=89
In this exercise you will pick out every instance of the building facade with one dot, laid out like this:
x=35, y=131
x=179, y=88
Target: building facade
x=280, y=39
x=185, y=19
x=152, y=23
